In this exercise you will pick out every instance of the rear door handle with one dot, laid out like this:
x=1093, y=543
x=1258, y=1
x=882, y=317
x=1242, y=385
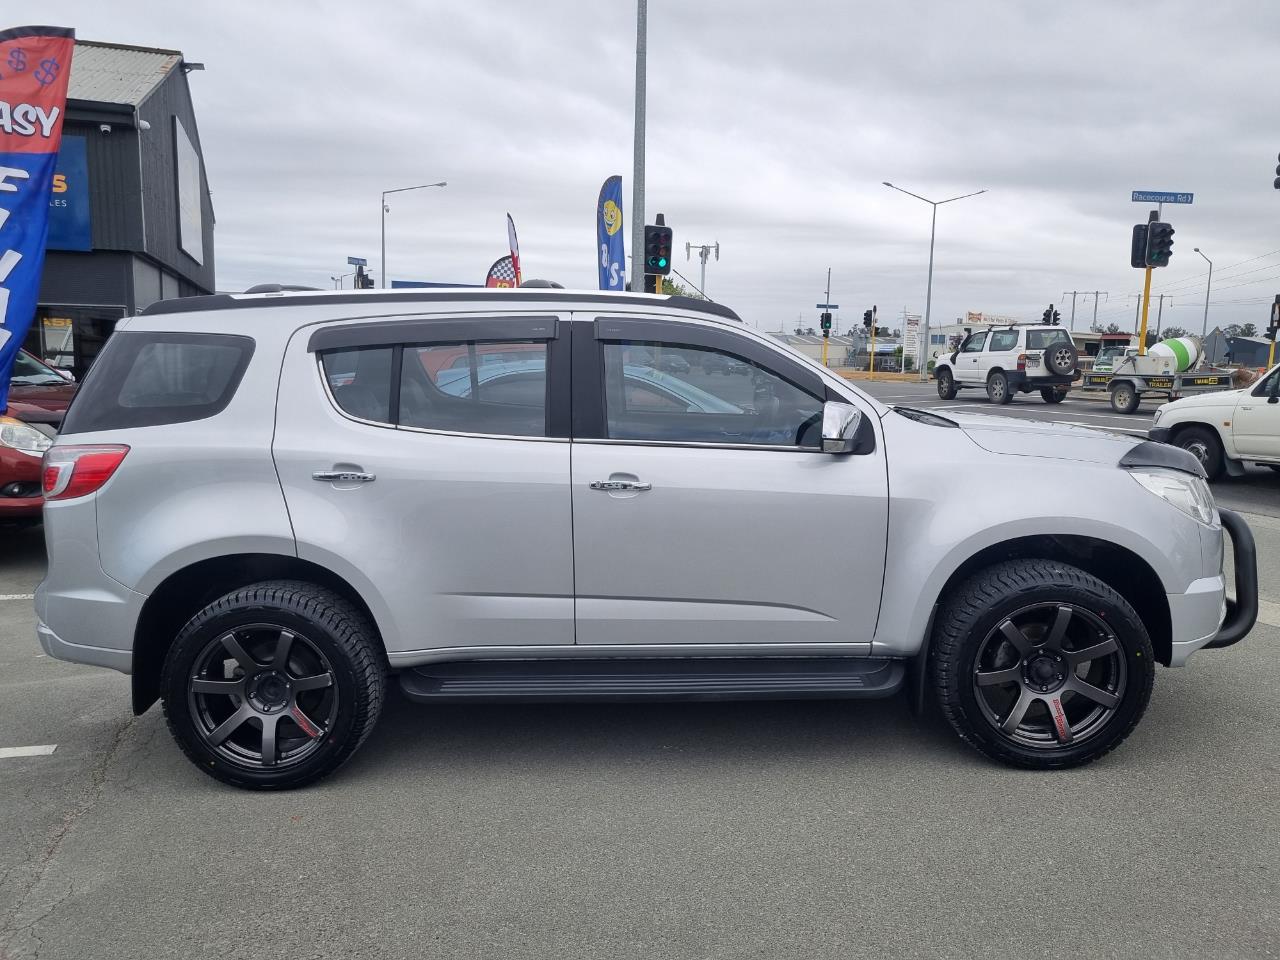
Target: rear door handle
x=347, y=476
x=621, y=485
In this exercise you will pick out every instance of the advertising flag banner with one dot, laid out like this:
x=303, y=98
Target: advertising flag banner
x=515, y=248
x=612, y=253
x=501, y=274
x=35, y=63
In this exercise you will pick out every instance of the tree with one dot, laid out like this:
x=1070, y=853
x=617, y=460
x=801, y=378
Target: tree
x=677, y=289
x=1233, y=330
x=1172, y=333
x=1113, y=328
x=809, y=332
x=897, y=331
x=1248, y=330
x=799, y=331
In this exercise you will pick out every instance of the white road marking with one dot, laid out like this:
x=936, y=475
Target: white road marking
x=43, y=750
x=17, y=596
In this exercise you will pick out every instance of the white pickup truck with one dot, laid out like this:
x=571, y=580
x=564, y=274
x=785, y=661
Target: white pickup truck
x=1226, y=429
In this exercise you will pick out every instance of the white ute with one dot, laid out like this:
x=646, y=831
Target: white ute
x=1227, y=429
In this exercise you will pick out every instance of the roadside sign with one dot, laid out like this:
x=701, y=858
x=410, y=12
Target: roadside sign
x=827, y=306
x=1157, y=196
x=357, y=261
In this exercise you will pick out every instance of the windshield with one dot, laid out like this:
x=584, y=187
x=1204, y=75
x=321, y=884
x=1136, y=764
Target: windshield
x=1039, y=339
x=29, y=371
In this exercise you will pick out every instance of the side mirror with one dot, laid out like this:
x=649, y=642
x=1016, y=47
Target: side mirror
x=840, y=424
x=954, y=354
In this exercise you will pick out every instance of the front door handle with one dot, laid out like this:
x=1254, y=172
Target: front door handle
x=621, y=485
x=343, y=476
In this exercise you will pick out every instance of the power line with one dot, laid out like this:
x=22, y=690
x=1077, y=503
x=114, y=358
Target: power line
x=1231, y=266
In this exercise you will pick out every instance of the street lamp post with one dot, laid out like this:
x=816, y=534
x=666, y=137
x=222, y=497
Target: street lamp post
x=386, y=209
x=928, y=297
x=1204, y=329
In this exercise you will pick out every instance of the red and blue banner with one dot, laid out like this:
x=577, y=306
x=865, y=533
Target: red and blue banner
x=35, y=63
x=612, y=258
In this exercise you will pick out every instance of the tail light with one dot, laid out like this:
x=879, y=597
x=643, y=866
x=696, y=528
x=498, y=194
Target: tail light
x=77, y=471
x=1022, y=361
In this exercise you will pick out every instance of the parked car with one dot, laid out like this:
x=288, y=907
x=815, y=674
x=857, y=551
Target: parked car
x=264, y=551
x=715, y=363
x=673, y=363
x=38, y=398
x=1227, y=429
x=1009, y=360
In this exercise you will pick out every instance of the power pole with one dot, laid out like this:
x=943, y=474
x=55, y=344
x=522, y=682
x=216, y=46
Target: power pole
x=1160, y=312
x=1096, y=294
x=826, y=300
x=704, y=252
x=1071, y=324
x=637, y=167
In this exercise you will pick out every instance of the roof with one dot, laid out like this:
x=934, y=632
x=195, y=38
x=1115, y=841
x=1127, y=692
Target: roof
x=1262, y=341
x=603, y=299
x=115, y=73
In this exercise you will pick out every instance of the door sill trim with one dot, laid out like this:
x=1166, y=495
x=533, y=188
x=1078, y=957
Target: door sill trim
x=412, y=658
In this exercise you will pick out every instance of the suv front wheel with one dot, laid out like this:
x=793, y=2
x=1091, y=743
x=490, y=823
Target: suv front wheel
x=1039, y=664
x=946, y=384
x=274, y=685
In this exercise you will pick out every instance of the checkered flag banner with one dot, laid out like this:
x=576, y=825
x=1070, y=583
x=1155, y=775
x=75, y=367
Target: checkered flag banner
x=502, y=273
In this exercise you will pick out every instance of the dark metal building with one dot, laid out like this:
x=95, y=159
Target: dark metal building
x=130, y=220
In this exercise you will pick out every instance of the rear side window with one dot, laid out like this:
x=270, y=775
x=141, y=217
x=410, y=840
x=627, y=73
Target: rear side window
x=492, y=388
x=1039, y=339
x=147, y=379
x=1004, y=340
x=361, y=381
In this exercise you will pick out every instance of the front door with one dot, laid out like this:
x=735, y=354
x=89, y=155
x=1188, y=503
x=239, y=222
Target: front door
x=1255, y=425
x=427, y=462
x=969, y=362
x=704, y=511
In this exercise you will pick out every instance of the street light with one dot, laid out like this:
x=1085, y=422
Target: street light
x=1204, y=330
x=386, y=210
x=933, y=230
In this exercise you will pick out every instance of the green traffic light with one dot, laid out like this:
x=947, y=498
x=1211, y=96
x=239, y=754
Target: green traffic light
x=662, y=262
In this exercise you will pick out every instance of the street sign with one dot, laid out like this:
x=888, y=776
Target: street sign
x=1156, y=196
x=827, y=306
x=357, y=261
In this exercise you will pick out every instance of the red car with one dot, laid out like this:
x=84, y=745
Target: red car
x=38, y=398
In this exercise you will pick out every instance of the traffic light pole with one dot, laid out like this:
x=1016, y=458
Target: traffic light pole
x=873, y=343
x=639, y=281
x=827, y=300
x=1146, y=306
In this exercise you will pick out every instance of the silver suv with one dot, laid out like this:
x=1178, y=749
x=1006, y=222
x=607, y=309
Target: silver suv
x=267, y=508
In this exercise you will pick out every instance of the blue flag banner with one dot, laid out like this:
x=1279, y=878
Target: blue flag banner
x=611, y=255
x=35, y=63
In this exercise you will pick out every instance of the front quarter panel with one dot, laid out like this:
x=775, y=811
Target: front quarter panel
x=950, y=500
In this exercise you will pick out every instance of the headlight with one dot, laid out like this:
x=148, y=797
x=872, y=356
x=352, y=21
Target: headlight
x=19, y=436
x=1189, y=494
x=1159, y=414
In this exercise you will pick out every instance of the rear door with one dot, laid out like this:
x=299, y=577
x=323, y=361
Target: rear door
x=704, y=511
x=1255, y=425
x=1001, y=352
x=427, y=462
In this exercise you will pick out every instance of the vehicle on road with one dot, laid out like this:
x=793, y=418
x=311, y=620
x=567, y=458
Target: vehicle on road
x=1171, y=368
x=267, y=508
x=1009, y=360
x=38, y=398
x=1226, y=429
x=673, y=363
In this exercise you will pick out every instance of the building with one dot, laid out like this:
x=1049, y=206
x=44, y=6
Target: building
x=130, y=219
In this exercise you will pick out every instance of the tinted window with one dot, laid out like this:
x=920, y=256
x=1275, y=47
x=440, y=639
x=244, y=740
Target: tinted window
x=494, y=388
x=1004, y=340
x=974, y=343
x=146, y=379
x=1039, y=339
x=668, y=392
x=361, y=381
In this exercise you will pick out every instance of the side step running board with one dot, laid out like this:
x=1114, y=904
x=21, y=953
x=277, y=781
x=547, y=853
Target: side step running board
x=709, y=678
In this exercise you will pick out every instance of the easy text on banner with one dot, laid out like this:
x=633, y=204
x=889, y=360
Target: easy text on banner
x=611, y=252
x=35, y=63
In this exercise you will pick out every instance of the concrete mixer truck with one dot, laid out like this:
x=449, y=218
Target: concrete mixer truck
x=1168, y=370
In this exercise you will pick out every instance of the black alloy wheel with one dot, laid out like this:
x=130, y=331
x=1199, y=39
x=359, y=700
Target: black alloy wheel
x=1039, y=664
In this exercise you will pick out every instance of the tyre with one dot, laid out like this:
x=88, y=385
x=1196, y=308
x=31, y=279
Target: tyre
x=1203, y=444
x=1124, y=399
x=1039, y=664
x=1061, y=357
x=998, y=388
x=1052, y=395
x=947, y=388
x=273, y=686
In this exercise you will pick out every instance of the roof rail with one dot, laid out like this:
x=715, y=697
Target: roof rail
x=311, y=297
x=278, y=288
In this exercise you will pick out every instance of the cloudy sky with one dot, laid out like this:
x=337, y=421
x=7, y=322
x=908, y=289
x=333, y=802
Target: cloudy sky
x=770, y=129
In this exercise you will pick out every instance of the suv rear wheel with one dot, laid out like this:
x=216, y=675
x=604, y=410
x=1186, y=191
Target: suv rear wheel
x=946, y=385
x=274, y=685
x=1040, y=664
x=1203, y=444
x=1052, y=394
x=998, y=388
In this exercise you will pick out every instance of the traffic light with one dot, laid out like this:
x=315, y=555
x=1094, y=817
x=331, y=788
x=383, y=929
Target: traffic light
x=866, y=319
x=1047, y=316
x=1276, y=184
x=1056, y=318
x=1159, y=244
x=363, y=280
x=657, y=250
x=1274, y=327
x=1138, y=249
x=825, y=318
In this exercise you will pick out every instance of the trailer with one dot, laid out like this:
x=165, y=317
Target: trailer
x=1127, y=386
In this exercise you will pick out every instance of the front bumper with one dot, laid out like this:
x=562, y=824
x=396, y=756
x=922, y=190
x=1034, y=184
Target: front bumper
x=1160, y=434
x=1205, y=604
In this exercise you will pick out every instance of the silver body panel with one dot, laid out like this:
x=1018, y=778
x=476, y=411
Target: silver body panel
x=474, y=546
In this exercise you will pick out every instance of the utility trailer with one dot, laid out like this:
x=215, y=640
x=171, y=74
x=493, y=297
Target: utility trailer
x=1135, y=377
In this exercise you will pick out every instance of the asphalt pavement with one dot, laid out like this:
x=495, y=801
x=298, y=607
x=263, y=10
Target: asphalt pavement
x=707, y=830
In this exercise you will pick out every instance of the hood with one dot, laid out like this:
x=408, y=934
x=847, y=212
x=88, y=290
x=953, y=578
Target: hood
x=1031, y=438
x=1219, y=398
x=31, y=413
x=51, y=399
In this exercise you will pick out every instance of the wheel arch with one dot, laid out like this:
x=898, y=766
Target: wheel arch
x=1120, y=568
x=185, y=592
